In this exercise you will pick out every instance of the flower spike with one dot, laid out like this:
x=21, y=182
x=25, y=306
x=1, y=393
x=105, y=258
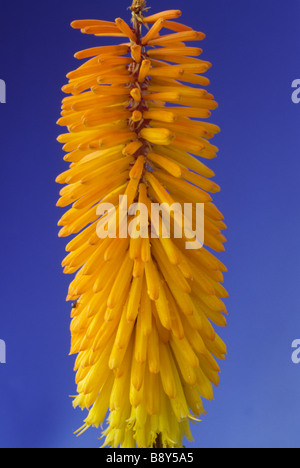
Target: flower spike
x=146, y=292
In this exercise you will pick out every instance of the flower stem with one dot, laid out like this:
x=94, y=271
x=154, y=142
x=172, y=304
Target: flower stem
x=158, y=442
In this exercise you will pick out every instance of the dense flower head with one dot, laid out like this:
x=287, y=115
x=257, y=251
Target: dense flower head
x=143, y=307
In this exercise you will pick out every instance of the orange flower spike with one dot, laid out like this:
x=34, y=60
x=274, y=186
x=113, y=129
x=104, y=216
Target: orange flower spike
x=144, y=307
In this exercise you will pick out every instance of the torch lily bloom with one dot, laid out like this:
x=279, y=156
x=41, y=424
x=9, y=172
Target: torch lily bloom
x=143, y=308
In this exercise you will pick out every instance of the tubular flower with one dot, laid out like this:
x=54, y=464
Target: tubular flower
x=143, y=306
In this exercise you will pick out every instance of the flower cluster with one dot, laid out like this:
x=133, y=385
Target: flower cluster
x=143, y=309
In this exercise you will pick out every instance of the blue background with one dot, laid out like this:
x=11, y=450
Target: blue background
x=254, y=46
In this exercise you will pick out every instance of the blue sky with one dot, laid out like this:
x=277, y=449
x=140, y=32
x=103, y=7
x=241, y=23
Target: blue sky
x=254, y=47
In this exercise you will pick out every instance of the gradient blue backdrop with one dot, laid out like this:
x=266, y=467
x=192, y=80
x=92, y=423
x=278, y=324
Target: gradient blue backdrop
x=254, y=46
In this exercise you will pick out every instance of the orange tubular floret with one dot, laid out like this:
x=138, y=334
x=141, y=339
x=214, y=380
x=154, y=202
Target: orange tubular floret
x=154, y=31
x=177, y=37
x=191, y=51
x=81, y=24
x=105, y=50
x=144, y=70
x=136, y=53
x=102, y=30
x=168, y=14
x=125, y=29
x=178, y=27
